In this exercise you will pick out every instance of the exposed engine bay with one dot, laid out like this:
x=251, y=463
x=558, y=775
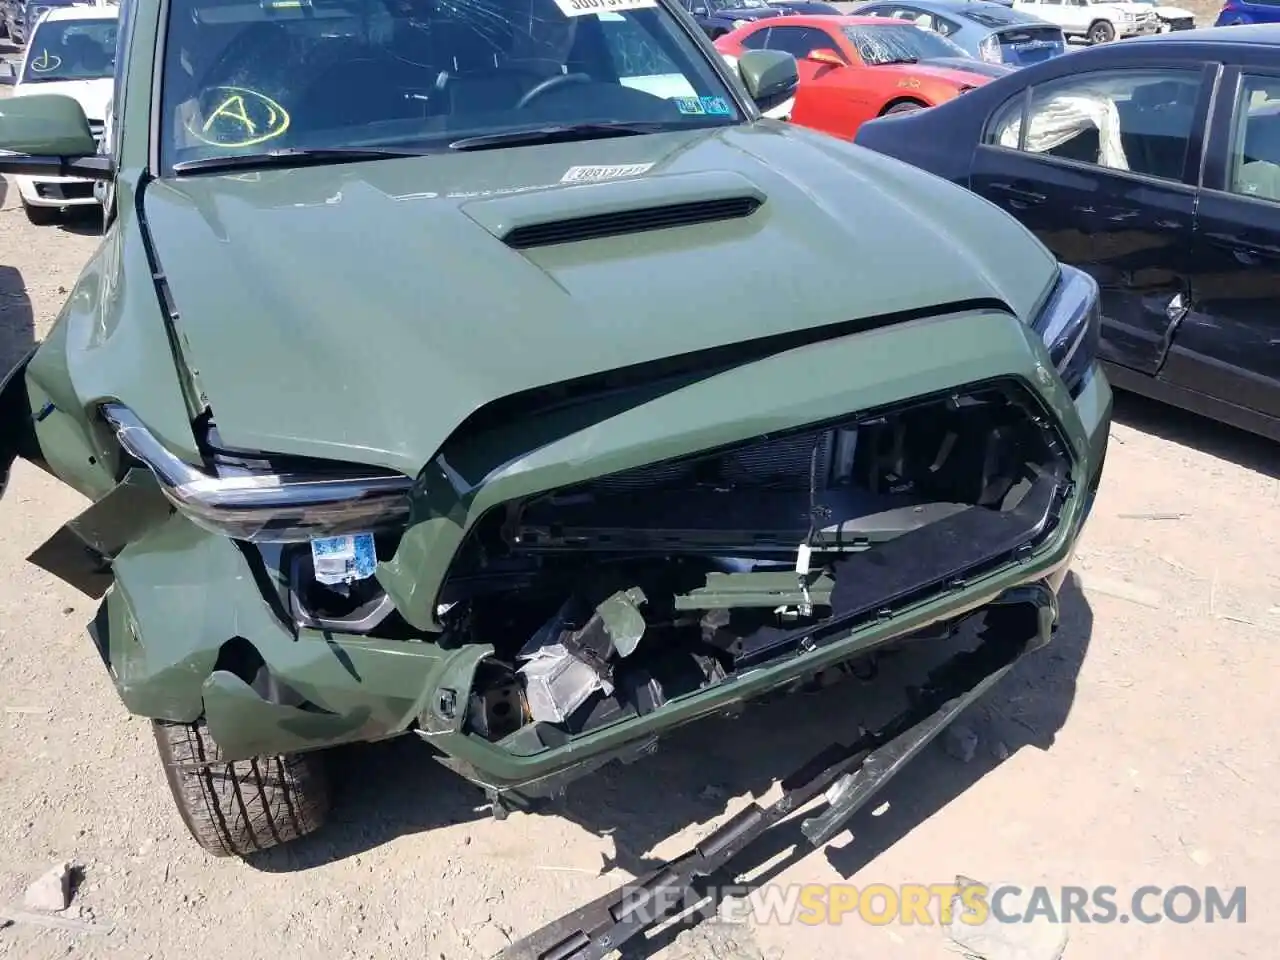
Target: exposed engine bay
x=607, y=600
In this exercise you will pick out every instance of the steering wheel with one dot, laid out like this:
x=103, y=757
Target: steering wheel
x=551, y=83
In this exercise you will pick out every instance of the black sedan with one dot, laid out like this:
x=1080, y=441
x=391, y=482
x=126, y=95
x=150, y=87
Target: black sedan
x=1154, y=164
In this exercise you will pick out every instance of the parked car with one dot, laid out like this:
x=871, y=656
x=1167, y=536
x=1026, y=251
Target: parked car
x=814, y=8
x=718, y=17
x=1095, y=21
x=1155, y=166
x=72, y=53
x=20, y=16
x=546, y=496
x=856, y=68
x=1171, y=18
x=988, y=31
x=1236, y=12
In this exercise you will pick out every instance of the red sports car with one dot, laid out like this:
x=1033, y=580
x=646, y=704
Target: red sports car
x=855, y=68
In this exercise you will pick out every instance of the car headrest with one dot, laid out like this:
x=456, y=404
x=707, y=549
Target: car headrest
x=1262, y=138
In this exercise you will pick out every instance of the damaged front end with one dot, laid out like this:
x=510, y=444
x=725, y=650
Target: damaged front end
x=563, y=583
x=605, y=601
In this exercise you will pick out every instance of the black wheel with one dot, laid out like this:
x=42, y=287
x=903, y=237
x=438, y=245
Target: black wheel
x=907, y=106
x=41, y=216
x=234, y=809
x=1101, y=32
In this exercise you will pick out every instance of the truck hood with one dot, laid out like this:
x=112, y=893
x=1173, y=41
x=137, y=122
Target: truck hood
x=361, y=312
x=92, y=95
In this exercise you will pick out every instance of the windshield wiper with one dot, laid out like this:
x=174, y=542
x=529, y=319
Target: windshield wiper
x=557, y=133
x=886, y=63
x=291, y=157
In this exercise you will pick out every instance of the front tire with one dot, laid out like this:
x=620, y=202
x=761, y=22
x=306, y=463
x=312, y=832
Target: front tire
x=239, y=808
x=1101, y=32
x=41, y=216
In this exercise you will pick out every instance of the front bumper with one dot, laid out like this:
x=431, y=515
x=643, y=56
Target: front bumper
x=1142, y=28
x=55, y=191
x=188, y=608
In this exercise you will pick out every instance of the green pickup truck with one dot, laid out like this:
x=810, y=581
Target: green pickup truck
x=492, y=372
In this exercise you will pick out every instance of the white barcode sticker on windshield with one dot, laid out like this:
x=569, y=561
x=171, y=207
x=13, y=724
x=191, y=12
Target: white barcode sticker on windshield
x=582, y=8
x=604, y=172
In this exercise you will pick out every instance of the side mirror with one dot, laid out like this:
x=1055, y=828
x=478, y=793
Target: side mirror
x=826, y=56
x=48, y=133
x=768, y=75
x=8, y=75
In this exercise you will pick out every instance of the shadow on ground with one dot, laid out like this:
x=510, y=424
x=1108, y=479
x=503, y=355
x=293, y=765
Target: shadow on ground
x=17, y=322
x=85, y=221
x=1192, y=430
x=394, y=788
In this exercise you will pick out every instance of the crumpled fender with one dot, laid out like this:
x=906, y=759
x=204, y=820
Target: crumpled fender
x=185, y=606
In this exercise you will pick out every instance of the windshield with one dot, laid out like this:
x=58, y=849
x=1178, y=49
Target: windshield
x=896, y=44
x=71, y=50
x=249, y=77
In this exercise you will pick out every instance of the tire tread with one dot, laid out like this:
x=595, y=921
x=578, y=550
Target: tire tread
x=241, y=807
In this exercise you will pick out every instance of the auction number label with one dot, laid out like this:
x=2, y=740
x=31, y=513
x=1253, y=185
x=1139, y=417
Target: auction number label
x=582, y=8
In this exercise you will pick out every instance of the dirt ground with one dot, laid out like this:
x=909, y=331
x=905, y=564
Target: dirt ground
x=1136, y=750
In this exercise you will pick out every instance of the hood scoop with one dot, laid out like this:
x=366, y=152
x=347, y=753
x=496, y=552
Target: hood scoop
x=593, y=211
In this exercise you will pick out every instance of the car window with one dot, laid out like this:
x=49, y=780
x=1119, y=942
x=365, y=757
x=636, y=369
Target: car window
x=1255, y=156
x=758, y=40
x=246, y=76
x=899, y=43
x=799, y=41
x=944, y=26
x=111, y=139
x=71, y=50
x=1139, y=121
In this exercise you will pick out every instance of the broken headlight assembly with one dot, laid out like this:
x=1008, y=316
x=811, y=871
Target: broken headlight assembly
x=260, y=502
x=1070, y=324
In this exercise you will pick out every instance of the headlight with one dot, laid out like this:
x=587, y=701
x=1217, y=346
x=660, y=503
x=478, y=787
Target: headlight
x=1071, y=324
x=268, y=505
x=739, y=24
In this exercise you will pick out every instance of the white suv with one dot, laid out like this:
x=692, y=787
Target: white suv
x=71, y=51
x=1095, y=20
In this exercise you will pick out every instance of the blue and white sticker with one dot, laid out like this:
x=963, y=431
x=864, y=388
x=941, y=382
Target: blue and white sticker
x=344, y=559
x=716, y=106
x=690, y=106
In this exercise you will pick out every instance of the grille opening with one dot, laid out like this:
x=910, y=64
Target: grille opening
x=606, y=600
x=598, y=226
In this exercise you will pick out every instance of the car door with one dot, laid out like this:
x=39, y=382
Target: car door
x=800, y=42
x=822, y=102
x=1102, y=165
x=1075, y=15
x=1228, y=346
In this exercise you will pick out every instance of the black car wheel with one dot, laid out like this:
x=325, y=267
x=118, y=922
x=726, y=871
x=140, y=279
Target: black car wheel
x=907, y=106
x=234, y=809
x=1101, y=32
